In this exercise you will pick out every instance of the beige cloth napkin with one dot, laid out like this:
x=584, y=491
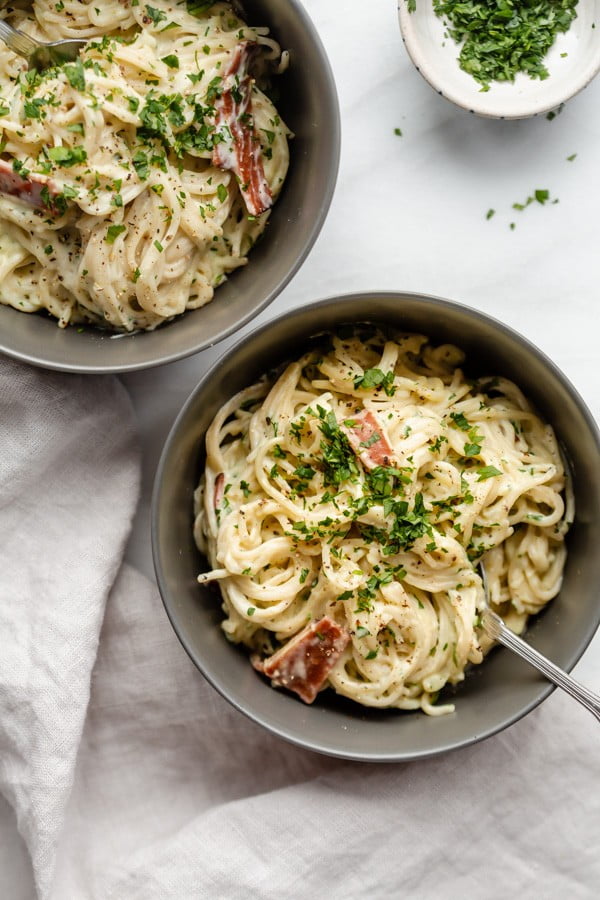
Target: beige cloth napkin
x=168, y=793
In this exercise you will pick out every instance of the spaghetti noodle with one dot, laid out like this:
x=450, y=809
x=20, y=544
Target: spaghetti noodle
x=135, y=179
x=349, y=500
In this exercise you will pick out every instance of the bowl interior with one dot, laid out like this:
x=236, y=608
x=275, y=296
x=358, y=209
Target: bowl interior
x=307, y=101
x=494, y=694
x=435, y=56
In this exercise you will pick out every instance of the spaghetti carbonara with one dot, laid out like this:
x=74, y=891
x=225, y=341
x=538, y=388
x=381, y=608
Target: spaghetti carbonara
x=133, y=180
x=345, y=506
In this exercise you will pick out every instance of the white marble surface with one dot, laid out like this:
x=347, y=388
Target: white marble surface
x=409, y=213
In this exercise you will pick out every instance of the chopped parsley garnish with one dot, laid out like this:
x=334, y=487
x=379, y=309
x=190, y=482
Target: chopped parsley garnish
x=472, y=449
x=460, y=421
x=406, y=526
x=501, y=38
x=33, y=109
x=67, y=156
x=171, y=61
x=155, y=15
x=339, y=461
x=141, y=164
x=487, y=472
x=373, y=378
x=435, y=446
x=113, y=233
x=198, y=7
x=76, y=75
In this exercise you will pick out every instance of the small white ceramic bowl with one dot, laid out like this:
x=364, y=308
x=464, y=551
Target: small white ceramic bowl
x=436, y=58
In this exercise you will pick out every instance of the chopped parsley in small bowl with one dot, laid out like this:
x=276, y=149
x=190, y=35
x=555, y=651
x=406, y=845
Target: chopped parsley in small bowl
x=505, y=59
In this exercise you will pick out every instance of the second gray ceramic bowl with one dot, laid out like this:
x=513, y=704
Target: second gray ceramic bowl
x=308, y=104
x=493, y=695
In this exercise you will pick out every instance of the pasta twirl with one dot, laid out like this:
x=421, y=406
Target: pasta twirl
x=361, y=487
x=135, y=179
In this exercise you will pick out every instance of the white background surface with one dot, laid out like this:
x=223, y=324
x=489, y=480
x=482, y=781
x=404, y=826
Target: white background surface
x=409, y=214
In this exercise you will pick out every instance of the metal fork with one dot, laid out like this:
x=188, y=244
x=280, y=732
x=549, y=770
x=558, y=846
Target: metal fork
x=39, y=55
x=497, y=630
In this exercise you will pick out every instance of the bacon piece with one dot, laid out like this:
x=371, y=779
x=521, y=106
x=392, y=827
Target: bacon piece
x=240, y=150
x=219, y=489
x=368, y=439
x=28, y=189
x=304, y=663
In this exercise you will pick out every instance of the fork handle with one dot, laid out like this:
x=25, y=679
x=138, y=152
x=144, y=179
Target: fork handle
x=17, y=41
x=560, y=678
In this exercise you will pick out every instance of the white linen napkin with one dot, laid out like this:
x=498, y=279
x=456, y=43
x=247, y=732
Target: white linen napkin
x=179, y=796
x=174, y=795
x=69, y=482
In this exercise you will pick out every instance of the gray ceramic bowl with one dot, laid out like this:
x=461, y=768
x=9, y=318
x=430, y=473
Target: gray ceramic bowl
x=493, y=695
x=308, y=104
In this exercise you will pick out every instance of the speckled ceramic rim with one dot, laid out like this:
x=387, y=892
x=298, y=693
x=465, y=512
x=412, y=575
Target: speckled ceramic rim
x=479, y=106
x=494, y=695
x=309, y=104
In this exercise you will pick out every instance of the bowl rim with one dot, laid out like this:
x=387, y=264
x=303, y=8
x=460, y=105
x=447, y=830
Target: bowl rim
x=199, y=344
x=479, y=107
x=304, y=313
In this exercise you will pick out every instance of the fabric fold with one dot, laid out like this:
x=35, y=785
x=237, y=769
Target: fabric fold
x=69, y=484
x=177, y=795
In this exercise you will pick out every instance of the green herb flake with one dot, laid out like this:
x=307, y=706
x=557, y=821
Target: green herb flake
x=460, y=421
x=472, y=449
x=76, y=75
x=67, y=156
x=374, y=378
x=487, y=472
x=113, y=233
x=155, y=15
x=171, y=61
